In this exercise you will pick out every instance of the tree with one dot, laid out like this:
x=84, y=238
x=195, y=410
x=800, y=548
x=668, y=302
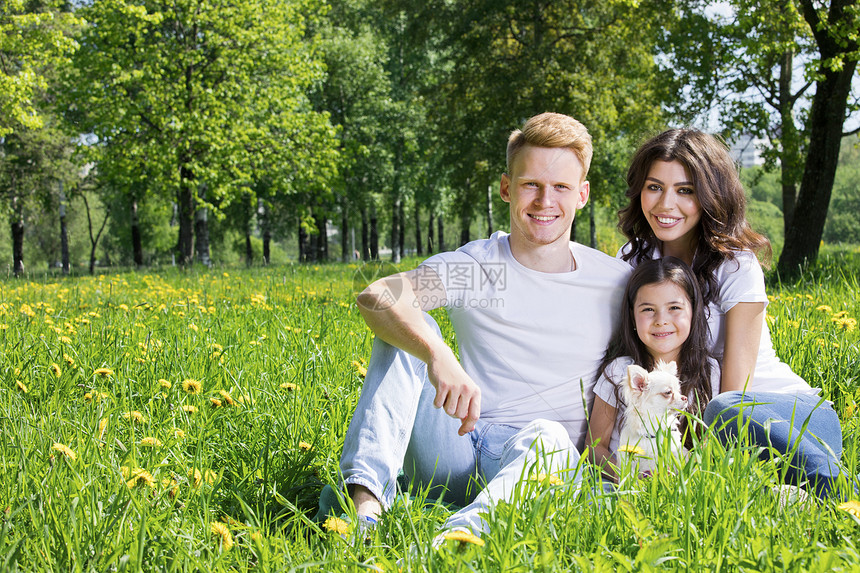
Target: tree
x=33, y=39
x=506, y=61
x=745, y=64
x=205, y=94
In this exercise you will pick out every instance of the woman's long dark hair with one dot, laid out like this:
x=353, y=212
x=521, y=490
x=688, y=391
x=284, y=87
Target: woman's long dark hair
x=723, y=229
x=694, y=368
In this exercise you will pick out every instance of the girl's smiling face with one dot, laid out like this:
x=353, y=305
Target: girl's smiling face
x=662, y=313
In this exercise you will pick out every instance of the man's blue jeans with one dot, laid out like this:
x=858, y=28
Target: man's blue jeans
x=777, y=420
x=396, y=426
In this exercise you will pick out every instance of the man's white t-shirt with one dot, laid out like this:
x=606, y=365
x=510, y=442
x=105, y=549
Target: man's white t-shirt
x=532, y=341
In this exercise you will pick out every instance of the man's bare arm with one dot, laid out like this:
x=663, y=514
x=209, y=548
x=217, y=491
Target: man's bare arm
x=392, y=308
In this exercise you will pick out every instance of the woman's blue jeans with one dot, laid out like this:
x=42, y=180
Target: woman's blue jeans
x=778, y=420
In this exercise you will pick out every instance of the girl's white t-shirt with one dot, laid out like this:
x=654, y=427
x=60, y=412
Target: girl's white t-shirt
x=742, y=280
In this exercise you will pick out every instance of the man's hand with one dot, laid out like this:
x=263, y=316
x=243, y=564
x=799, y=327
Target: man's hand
x=456, y=392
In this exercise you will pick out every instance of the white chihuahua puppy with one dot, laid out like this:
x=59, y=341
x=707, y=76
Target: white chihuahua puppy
x=653, y=402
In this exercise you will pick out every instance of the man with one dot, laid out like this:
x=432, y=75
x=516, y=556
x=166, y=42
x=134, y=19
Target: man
x=533, y=313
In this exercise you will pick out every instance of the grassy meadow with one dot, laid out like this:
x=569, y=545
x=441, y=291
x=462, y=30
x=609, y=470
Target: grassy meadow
x=187, y=421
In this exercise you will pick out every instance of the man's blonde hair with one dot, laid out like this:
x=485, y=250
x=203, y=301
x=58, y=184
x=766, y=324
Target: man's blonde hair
x=552, y=130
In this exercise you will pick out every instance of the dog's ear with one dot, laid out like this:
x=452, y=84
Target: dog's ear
x=670, y=367
x=637, y=378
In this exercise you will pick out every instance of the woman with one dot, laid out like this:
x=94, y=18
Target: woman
x=687, y=201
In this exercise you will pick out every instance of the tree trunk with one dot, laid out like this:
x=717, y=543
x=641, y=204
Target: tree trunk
x=374, y=235
x=365, y=240
x=185, y=204
x=465, y=224
x=401, y=231
x=263, y=221
x=395, y=230
x=201, y=229
x=304, y=246
x=17, y=228
x=64, y=232
x=440, y=227
x=489, y=210
x=322, y=238
x=826, y=117
x=345, y=252
x=136, y=241
x=430, y=222
x=419, y=248
x=249, y=249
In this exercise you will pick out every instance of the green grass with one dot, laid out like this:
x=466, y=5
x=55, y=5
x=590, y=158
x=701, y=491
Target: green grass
x=287, y=347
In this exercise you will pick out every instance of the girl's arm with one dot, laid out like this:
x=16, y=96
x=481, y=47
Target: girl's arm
x=744, y=322
x=600, y=426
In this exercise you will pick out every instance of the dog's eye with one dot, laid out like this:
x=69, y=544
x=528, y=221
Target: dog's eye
x=667, y=393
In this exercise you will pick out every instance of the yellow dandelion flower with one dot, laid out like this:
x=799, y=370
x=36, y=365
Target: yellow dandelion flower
x=135, y=416
x=305, y=446
x=216, y=403
x=69, y=360
x=336, y=525
x=65, y=340
x=65, y=450
x=180, y=434
x=140, y=477
x=164, y=383
x=193, y=327
x=227, y=398
x=57, y=370
x=27, y=310
x=209, y=476
x=21, y=386
x=840, y=314
x=824, y=308
x=359, y=368
x=192, y=386
x=849, y=410
x=150, y=442
x=190, y=409
x=257, y=537
x=635, y=450
x=102, y=425
x=550, y=479
x=103, y=372
x=846, y=324
x=288, y=386
x=852, y=506
x=195, y=476
x=464, y=537
x=222, y=535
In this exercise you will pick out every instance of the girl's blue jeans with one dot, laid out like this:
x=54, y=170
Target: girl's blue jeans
x=777, y=420
x=396, y=426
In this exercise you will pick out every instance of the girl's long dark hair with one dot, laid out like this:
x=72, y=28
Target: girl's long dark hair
x=723, y=229
x=694, y=368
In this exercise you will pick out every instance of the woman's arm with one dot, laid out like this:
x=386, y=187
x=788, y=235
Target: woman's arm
x=600, y=426
x=744, y=322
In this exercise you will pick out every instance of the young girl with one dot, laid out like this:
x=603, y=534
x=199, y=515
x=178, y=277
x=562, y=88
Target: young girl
x=686, y=200
x=662, y=318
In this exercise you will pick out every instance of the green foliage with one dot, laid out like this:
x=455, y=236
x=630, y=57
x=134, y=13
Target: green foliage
x=288, y=347
x=843, y=218
x=33, y=40
x=189, y=95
